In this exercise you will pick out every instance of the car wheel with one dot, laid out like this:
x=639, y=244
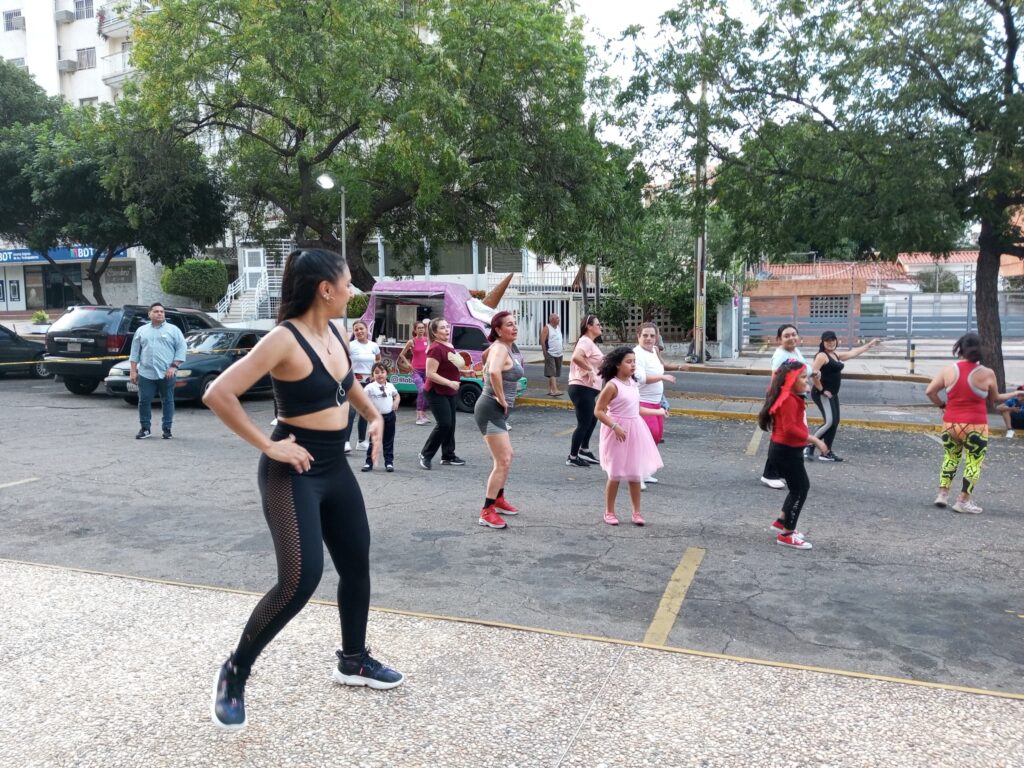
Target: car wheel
x=39, y=369
x=81, y=386
x=204, y=385
x=132, y=400
x=468, y=395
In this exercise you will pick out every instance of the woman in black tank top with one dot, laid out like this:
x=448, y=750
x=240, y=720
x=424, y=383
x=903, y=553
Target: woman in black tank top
x=830, y=363
x=310, y=496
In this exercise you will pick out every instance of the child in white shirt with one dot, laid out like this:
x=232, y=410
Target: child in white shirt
x=384, y=396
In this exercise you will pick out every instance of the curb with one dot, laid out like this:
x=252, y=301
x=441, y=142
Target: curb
x=914, y=378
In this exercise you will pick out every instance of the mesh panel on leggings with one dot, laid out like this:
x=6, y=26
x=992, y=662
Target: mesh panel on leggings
x=279, y=507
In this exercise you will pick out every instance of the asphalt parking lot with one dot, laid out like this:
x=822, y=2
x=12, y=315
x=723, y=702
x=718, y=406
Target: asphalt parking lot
x=894, y=586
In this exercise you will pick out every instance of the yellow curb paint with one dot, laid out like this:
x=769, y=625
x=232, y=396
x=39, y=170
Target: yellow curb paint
x=547, y=403
x=18, y=482
x=672, y=599
x=565, y=432
x=755, y=442
x=558, y=633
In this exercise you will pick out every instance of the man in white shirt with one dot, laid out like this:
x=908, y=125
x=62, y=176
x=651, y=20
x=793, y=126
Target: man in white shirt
x=554, y=348
x=158, y=349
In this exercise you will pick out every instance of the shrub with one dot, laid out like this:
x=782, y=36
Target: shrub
x=203, y=279
x=39, y=317
x=357, y=305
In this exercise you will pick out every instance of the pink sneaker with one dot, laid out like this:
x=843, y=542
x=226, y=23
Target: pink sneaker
x=638, y=519
x=491, y=519
x=610, y=518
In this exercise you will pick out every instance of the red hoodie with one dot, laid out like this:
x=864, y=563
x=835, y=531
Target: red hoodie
x=789, y=423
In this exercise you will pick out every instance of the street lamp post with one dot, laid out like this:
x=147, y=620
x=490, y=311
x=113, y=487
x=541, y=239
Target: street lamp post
x=326, y=181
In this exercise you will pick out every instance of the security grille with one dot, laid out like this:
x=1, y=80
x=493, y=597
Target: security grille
x=830, y=306
x=83, y=9
x=9, y=21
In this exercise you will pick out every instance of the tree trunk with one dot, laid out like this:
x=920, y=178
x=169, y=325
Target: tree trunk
x=361, y=277
x=79, y=296
x=986, y=292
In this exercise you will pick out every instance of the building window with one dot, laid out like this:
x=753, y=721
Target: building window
x=86, y=58
x=830, y=306
x=13, y=20
x=90, y=100
x=20, y=63
x=83, y=9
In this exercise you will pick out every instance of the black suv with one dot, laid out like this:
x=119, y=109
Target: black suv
x=86, y=341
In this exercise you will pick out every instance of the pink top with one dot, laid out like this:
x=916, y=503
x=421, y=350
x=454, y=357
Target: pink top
x=419, y=353
x=964, y=403
x=593, y=355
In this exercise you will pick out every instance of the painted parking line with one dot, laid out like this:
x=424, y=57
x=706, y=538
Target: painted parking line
x=18, y=482
x=755, y=442
x=565, y=432
x=672, y=600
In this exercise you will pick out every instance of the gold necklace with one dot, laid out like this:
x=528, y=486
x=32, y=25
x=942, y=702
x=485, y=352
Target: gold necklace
x=326, y=345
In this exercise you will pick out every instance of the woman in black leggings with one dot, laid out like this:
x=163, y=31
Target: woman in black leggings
x=829, y=363
x=310, y=496
x=584, y=387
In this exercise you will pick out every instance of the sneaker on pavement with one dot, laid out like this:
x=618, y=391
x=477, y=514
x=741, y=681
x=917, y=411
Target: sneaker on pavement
x=610, y=518
x=366, y=670
x=942, y=499
x=966, y=507
x=576, y=461
x=828, y=457
x=501, y=505
x=589, y=457
x=638, y=519
x=777, y=525
x=228, y=707
x=651, y=479
x=424, y=462
x=1010, y=433
x=454, y=461
x=794, y=540
x=776, y=483
x=167, y=434
x=367, y=467
x=389, y=467
x=348, y=447
x=490, y=518
x=142, y=434
x=362, y=445
x=643, y=485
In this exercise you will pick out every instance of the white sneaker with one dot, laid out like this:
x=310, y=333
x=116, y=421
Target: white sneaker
x=273, y=423
x=651, y=479
x=966, y=507
x=348, y=448
x=362, y=445
x=643, y=485
x=1010, y=434
x=777, y=484
x=942, y=500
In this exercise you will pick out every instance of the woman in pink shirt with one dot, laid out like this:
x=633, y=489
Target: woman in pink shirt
x=584, y=387
x=415, y=350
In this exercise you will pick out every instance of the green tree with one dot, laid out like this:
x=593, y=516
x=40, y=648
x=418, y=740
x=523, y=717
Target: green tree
x=938, y=281
x=889, y=124
x=203, y=279
x=21, y=99
x=441, y=120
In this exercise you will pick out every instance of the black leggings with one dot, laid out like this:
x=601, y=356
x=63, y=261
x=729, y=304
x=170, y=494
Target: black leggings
x=829, y=407
x=789, y=463
x=583, y=399
x=353, y=415
x=304, y=512
x=443, y=434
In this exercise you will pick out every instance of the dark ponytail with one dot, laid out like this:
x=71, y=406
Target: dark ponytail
x=968, y=347
x=304, y=270
x=764, y=418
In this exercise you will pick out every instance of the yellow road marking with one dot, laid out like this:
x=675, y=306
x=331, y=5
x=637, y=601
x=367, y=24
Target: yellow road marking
x=558, y=633
x=19, y=482
x=755, y=441
x=672, y=600
x=565, y=432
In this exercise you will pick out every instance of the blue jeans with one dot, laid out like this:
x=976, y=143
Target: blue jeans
x=147, y=391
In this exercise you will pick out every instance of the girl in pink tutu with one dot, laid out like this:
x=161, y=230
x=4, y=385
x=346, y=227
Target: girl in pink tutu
x=628, y=451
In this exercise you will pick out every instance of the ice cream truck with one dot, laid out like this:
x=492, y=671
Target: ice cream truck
x=395, y=306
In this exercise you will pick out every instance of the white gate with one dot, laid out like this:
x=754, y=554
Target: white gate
x=254, y=267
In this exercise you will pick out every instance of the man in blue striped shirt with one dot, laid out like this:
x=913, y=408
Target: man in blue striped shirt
x=158, y=349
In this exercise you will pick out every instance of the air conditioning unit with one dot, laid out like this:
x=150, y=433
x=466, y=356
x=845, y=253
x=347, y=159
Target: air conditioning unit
x=64, y=17
x=18, y=22
x=67, y=65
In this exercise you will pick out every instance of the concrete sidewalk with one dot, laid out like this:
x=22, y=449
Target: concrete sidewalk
x=101, y=670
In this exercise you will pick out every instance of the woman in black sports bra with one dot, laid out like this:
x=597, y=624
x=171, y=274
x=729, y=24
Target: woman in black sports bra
x=310, y=496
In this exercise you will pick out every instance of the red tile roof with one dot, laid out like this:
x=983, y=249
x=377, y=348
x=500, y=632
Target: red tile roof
x=834, y=270
x=953, y=257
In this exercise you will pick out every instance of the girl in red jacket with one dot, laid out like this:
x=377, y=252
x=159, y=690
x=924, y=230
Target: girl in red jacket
x=784, y=414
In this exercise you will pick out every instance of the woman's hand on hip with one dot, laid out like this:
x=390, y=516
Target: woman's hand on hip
x=288, y=451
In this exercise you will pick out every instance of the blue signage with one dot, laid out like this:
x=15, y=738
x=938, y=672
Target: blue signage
x=26, y=256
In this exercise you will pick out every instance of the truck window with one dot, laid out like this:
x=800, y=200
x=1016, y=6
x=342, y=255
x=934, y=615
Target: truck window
x=469, y=337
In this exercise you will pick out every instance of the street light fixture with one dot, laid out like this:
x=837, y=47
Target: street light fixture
x=326, y=181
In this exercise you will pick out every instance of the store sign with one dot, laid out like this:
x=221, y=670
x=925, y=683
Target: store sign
x=26, y=256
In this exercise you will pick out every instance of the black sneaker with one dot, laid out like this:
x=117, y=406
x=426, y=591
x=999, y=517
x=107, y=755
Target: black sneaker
x=454, y=461
x=228, y=708
x=389, y=467
x=366, y=670
x=167, y=434
x=589, y=457
x=576, y=461
x=142, y=434
x=366, y=467
x=424, y=462
x=829, y=457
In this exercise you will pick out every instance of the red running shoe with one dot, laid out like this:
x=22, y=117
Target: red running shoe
x=778, y=526
x=794, y=540
x=501, y=505
x=491, y=519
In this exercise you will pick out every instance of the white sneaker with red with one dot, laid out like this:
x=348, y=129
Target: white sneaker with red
x=942, y=499
x=491, y=519
x=794, y=540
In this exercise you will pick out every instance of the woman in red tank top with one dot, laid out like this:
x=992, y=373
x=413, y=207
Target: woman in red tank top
x=970, y=387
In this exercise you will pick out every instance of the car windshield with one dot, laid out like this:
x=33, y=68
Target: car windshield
x=209, y=341
x=84, y=318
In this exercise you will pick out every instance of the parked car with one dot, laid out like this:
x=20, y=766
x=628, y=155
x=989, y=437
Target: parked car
x=210, y=352
x=85, y=341
x=18, y=355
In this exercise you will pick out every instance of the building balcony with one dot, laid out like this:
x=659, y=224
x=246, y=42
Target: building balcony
x=117, y=69
x=114, y=18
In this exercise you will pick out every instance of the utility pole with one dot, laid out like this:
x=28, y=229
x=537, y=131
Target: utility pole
x=700, y=264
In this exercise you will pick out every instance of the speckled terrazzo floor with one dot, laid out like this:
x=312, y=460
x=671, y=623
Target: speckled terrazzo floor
x=107, y=671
